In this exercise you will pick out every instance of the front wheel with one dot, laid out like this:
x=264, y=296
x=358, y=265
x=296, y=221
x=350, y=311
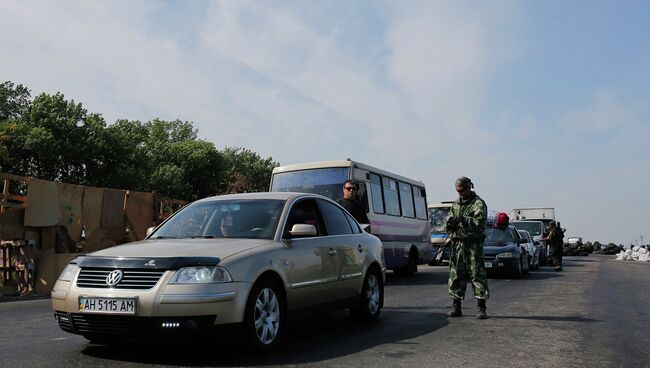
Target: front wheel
x=371, y=298
x=264, y=318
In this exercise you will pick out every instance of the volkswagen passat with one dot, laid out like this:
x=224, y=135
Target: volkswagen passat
x=245, y=260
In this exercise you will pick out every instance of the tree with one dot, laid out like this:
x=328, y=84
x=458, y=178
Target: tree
x=14, y=100
x=245, y=171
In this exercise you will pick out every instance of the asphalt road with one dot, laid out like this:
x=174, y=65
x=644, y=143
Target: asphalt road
x=594, y=314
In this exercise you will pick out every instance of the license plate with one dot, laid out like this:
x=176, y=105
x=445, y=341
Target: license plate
x=107, y=305
x=488, y=264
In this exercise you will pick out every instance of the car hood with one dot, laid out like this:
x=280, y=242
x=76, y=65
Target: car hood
x=493, y=248
x=220, y=248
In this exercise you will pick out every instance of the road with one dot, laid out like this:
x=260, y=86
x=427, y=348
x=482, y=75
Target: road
x=595, y=314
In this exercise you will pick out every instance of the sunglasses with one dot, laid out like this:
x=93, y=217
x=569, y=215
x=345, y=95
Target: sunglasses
x=349, y=188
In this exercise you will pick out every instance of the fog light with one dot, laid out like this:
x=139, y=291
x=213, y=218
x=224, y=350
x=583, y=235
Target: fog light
x=171, y=324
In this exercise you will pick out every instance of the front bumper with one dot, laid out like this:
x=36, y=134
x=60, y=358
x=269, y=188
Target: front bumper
x=165, y=308
x=500, y=265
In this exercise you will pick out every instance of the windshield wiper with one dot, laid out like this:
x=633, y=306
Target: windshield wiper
x=162, y=237
x=202, y=237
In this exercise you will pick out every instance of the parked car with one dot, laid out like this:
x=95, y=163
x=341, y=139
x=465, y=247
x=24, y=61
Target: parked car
x=537, y=230
x=248, y=259
x=533, y=250
x=504, y=252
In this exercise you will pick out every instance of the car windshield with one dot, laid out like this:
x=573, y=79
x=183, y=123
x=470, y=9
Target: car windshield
x=326, y=182
x=494, y=235
x=248, y=218
x=523, y=234
x=534, y=228
x=437, y=217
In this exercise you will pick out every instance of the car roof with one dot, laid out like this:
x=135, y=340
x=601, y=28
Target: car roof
x=261, y=195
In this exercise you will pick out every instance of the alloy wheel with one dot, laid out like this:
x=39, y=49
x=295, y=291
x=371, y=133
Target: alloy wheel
x=267, y=316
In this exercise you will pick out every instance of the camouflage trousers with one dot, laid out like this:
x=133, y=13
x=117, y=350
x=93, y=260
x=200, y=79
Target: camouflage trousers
x=466, y=263
x=556, y=255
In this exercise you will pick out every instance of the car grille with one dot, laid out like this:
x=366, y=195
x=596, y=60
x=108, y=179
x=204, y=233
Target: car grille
x=95, y=324
x=490, y=258
x=132, y=279
x=64, y=320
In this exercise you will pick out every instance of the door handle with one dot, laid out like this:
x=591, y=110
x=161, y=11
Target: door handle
x=360, y=248
x=332, y=251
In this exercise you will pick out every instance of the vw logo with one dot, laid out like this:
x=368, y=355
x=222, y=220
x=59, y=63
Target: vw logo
x=114, y=277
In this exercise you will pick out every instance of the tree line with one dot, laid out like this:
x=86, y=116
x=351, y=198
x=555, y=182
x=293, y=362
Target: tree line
x=52, y=138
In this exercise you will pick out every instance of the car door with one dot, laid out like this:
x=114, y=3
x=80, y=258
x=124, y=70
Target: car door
x=345, y=237
x=312, y=265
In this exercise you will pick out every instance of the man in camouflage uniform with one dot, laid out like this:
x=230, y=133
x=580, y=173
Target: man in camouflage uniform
x=556, y=238
x=466, y=229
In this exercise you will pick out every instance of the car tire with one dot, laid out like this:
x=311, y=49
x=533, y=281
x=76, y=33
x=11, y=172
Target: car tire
x=526, y=269
x=371, y=300
x=265, y=317
x=411, y=265
x=519, y=269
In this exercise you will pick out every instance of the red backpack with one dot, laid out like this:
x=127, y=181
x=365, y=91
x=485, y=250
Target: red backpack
x=502, y=221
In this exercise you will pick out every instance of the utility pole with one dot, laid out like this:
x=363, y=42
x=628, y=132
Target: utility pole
x=641, y=235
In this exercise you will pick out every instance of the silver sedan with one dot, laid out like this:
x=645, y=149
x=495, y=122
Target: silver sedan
x=245, y=260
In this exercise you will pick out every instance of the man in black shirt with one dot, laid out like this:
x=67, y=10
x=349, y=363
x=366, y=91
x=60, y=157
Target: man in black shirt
x=351, y=202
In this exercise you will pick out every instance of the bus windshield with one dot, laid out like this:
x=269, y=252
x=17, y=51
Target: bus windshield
x=326, y=182
x=437, y=216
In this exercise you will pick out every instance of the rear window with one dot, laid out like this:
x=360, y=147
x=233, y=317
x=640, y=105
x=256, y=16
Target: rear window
x=494, y=235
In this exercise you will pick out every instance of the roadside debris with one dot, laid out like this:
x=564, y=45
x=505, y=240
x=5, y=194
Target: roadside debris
x=636, y=253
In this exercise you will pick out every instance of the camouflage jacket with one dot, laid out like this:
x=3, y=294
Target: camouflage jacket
x=473, y=214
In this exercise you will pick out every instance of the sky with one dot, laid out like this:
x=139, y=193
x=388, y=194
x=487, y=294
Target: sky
x=540, y=103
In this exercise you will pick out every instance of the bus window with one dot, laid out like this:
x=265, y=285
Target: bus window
x=406, y=199
x=420, y=203
x=391, y=197
x=377, y=194
x=326, y=182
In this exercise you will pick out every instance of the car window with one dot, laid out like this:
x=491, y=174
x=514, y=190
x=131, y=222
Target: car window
x=335, y=219
x=495, y=235
x=356, y=229
x=305, y=212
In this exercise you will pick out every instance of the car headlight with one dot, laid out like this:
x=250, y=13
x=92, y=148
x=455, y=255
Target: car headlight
x=201, y=275
x=68, y=272
x=506, y=255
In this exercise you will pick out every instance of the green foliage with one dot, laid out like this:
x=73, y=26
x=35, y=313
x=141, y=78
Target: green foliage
x=56, y=139
x=246, y=171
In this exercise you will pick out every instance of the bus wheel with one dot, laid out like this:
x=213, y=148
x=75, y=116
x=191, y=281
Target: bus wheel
x=411, y=266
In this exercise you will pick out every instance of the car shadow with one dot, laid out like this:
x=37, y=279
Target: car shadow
x=309, y=341
x=422, y=277
x=551, y=318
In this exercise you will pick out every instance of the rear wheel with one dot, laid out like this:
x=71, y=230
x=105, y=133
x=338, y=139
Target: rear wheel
x=265, y=317
x=371, y=298
x=411, y=266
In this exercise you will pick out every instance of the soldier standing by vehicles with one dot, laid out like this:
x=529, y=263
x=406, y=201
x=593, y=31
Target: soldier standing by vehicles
x=466, y=229
x=556, y=238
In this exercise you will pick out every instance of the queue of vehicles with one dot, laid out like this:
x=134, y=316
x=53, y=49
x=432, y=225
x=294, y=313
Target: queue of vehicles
x=250, y=261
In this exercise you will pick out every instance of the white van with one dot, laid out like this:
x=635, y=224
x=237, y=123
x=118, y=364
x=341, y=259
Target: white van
x=396, y=206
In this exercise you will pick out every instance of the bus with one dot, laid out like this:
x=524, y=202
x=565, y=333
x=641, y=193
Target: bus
x=396, y=206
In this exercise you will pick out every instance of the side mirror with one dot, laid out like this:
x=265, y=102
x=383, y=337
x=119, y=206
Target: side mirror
x=523, y=241
x=149, y=231
x=302, y=230
x=537, y=242
x=366, y=228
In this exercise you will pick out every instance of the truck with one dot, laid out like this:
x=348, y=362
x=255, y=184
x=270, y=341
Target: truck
x=545, y=214
x=534, y=220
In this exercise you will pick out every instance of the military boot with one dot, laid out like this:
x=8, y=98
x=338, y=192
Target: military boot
x=481, y=309
x=455, y=309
